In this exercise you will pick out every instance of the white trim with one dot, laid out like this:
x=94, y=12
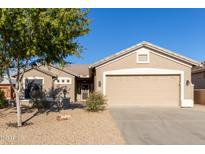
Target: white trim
x=151, y=46
x=150, y=71
x=126, y=55
x=187, y=103
x=97, y=67
x=132, y=48
x=65, y=80
x=199, y=89
x=142, y=52
x=25, y=100
x=33, y=77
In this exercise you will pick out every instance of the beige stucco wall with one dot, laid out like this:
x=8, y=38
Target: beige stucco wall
x=198, y=79
x=48, y=79
x=156, y=61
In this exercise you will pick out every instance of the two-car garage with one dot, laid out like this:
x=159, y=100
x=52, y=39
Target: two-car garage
x=145, y=75
x=152, y=90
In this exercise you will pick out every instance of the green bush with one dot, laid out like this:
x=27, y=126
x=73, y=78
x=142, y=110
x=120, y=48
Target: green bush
x=96, y=102
x=3, y=101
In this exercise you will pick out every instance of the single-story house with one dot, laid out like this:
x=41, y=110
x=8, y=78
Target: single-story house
x=144, y=74
x=75, y=79
x=198, y=79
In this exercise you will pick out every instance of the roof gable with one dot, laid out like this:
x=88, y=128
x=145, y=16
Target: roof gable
x=38, y=69
x=45, y=71
x=63, y=70
x=150, y=46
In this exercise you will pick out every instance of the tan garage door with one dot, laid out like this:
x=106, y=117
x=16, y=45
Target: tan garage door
x=143, y=90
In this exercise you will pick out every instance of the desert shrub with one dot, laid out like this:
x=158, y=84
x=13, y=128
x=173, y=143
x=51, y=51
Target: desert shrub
x=42, y=104
x=96, y=102
x=3, y=101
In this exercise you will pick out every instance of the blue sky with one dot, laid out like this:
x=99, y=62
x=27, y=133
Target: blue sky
x=179, y=30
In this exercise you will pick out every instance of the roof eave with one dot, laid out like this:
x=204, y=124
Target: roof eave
x=174, y=54
x=199, y=70
x=118, y=54
x=148, y=45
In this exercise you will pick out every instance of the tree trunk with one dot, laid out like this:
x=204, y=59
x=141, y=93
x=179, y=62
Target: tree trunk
x=16, y=89
x=18, y=108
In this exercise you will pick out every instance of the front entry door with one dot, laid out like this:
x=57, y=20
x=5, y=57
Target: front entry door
x=84, y=91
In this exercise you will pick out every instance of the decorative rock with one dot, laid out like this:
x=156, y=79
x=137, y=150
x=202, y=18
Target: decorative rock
x=63, y=117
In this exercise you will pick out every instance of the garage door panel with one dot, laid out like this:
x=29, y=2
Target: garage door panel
x=143, y=90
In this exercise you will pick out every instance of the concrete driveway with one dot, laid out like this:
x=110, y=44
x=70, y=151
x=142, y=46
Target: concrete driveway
x=156, y=125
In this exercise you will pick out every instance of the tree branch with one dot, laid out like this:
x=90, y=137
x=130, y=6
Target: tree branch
x=23, y=71
x=18, y=73
x=9, y=77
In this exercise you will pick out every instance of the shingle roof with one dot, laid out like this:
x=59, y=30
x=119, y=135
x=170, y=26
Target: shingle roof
x=79, y=70
x=148, y=45
x=38, y=69
x=82, y=70
x=44, y=71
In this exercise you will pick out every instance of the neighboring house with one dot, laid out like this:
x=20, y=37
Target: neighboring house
x=6, y=87
x=198, y=79
x=143, y=74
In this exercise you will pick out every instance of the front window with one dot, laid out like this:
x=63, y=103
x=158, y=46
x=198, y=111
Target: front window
x=63, y=80
x=31, y=85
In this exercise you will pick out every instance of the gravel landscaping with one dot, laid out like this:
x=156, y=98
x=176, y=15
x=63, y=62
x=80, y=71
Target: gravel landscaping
x=82, y=128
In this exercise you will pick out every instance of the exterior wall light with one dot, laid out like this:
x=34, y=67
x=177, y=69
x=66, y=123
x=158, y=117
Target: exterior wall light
x=187, y=82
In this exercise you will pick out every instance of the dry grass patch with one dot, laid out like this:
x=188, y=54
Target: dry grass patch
x=82, y=128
